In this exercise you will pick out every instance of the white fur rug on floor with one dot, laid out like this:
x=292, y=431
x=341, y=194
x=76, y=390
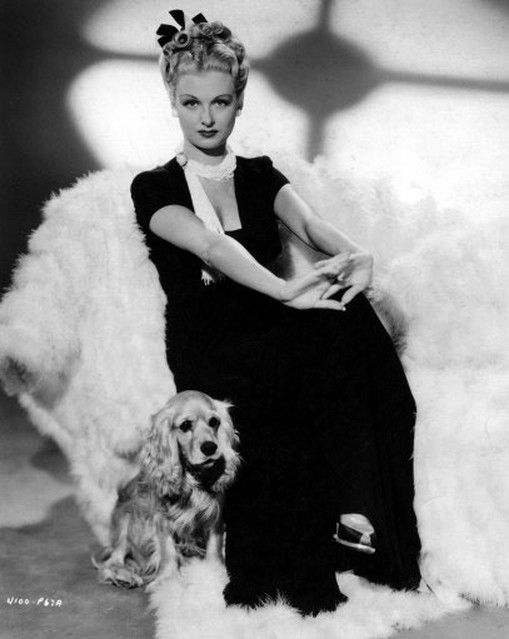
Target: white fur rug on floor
x=444, y=275
x=448, y=275
x=192, y=607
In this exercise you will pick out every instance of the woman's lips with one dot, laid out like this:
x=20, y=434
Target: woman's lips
x=208, y=134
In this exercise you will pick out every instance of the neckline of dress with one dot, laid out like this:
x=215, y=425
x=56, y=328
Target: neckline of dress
x=237, y=176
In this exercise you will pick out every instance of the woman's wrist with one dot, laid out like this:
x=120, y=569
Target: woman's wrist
x=328, y=239
x=281, y=294
x=228, y=256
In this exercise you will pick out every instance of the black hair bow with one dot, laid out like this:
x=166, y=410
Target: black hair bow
x=167, y=31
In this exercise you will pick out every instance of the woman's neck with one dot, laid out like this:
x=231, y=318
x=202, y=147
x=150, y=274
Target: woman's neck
x=214, y=156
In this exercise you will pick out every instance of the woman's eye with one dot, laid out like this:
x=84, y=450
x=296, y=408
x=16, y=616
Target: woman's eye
x=186, y=425
x=214, y=422
x=191, y=104
x=223, y=103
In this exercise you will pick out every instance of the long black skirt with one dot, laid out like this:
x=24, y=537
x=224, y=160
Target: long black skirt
x=326, y=418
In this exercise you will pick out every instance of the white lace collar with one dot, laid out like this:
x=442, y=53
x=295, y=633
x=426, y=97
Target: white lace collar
x=219, y=172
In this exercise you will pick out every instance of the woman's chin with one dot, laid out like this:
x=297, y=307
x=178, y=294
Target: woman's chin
x=210, y=146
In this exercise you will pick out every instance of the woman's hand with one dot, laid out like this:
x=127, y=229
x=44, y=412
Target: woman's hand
x=357, y=274
x=308, y=291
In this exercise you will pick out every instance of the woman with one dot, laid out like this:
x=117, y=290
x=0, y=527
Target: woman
x=320, y=399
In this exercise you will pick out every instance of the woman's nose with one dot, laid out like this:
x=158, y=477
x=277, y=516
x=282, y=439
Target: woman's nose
x=207, y=118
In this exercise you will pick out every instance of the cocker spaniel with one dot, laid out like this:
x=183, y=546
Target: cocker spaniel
x=172, y=509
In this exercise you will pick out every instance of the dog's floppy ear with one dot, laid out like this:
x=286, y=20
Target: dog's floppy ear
x=228, y=440
x=159, y=456
x=227, y=430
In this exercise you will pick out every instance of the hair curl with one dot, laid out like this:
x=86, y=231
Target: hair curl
x=204, y=47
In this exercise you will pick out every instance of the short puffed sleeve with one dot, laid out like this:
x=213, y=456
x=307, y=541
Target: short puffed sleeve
x=275, y=180
x=150, y=191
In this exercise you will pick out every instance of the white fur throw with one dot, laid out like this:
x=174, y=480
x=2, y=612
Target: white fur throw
x=85, y=318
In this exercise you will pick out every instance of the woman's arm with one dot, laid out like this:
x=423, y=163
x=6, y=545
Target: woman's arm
x=299, y=217
x=178, y=225
x=181, y=227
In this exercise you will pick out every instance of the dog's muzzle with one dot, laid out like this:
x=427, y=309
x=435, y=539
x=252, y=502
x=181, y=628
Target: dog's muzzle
x=209, y=471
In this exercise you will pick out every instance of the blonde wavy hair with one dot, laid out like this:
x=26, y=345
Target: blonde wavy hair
x=204, y=47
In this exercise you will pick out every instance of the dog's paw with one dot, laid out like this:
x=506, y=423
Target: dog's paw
x=120, y=576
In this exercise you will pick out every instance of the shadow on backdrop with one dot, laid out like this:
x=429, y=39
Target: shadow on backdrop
x=42, y=52
x=502, y=4
x=323, y=74
x=315, y=70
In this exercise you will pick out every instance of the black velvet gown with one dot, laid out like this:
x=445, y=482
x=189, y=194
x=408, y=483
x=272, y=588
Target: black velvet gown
x=321, y=403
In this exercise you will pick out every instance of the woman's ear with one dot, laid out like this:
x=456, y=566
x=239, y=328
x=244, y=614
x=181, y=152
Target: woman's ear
x=174, y=109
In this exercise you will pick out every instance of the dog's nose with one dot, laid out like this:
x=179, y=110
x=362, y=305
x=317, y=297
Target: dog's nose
x=208, y=448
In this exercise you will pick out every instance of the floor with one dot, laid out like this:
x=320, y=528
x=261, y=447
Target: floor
x=48, y=585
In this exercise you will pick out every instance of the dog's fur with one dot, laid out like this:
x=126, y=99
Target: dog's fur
x=172, y=509
x=86, y=303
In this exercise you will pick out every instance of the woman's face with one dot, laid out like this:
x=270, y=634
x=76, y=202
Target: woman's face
x=206, y=106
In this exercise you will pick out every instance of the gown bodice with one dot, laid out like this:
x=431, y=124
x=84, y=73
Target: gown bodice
x=256, y=183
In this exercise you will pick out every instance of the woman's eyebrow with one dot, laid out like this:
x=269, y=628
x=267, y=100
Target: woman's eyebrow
x=191, y=96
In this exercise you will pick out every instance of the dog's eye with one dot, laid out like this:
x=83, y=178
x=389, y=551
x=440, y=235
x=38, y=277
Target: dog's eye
x=214, y=422
x=186, y=425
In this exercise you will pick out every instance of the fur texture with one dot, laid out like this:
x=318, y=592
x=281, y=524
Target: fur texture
x=172, y=509
x=192, y=606
x=441, y=282
x=84, y=319
x=86, y=304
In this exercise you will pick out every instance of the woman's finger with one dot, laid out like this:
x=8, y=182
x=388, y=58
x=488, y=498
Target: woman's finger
x=331, y=304
x=330, y=271
x=351, y=293
x=337, y=259
x=334, y=288
x=311, y=281
x=312, y=278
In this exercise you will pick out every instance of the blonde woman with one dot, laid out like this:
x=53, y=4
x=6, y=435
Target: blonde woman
x=321, y=402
